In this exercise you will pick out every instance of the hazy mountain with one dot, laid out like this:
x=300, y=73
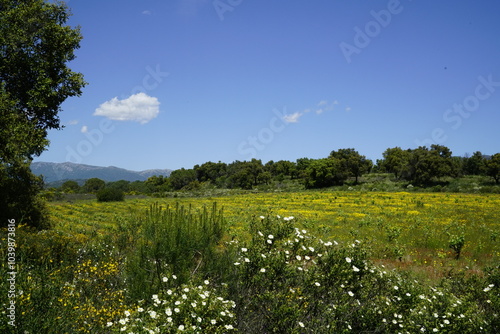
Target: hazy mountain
x=52, y=172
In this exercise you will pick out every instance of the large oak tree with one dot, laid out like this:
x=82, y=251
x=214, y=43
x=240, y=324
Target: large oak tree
x=36, y=45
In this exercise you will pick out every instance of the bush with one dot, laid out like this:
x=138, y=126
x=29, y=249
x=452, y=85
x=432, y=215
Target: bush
x=110, y=195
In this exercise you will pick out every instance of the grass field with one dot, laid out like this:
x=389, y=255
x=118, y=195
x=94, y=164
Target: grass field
x=416, y=227
x=400, y=262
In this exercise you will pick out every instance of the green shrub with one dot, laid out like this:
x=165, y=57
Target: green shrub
x=181, y=238
x=110, y=195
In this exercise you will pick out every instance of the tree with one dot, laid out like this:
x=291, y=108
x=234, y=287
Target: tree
x=492, y=167
x=181, y=177
x=35, y=47
x=324, y=173
x=425, y=164
x=93, y=185
x=474, y=165
x=395, y=161
x=354, y=163
x=70, y=186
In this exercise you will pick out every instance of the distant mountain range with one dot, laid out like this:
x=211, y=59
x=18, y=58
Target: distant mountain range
x=53, y=172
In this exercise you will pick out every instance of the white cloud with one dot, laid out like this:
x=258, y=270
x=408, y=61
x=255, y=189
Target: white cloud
x=146, y=12
x=84, y=129
x=139, y=108
x=73, y=122
x=348, y=108
x=322, y=103
x=293, y=118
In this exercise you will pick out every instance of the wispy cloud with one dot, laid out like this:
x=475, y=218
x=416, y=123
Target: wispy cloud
x=139, y=108
x=84, y=129
x=321, y=107
x=292, y=118
x=73, y=122
x=146, y=12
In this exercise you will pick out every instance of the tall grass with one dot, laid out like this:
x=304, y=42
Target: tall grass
x=168, y=239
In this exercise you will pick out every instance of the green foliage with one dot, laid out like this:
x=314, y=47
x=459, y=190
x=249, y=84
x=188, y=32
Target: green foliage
x=456, y=243
x=492, y=167
x=181, y=177
x=110, y=195
x=180, y=238
x=20, y=200
x=324, y=173
x=352, y=162
x=93, y=185
x=187, y=308
x=70, y=186
x=35, y=46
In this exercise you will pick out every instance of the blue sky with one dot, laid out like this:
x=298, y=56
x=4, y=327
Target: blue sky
x=176, y=83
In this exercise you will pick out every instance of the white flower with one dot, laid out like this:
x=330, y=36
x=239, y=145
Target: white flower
x=396, y=287
x=348, y=259
x=244, y=250
x=155, y=297
x=181, y=327
x=169, y=292
x=109, y=324
x=176, y=310
x=152, y=314
x=298, y=257
x=301, y=324
x=237, y=263
x=317, y=284
x=270, y=236
x=206, y=282
x=229, y=326
x=311, y=249
x=213, y=321
x=165, y=279
x=123, y=321
x=169, y=319
x=354, y=268
x=446, y=321
x=350, y=293
x=262, y=217
x=140, y=309
x=435, y=330
x=168, y=311
x=263, y=270
x=260, y=233
x=247, y=259
x=269, y=241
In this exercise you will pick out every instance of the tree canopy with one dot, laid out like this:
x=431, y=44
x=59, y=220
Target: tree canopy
x=35, y=47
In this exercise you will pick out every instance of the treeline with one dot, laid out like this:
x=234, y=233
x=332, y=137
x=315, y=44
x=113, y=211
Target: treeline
x=422, y=167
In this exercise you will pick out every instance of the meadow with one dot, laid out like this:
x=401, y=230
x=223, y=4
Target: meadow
x=281, y=262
